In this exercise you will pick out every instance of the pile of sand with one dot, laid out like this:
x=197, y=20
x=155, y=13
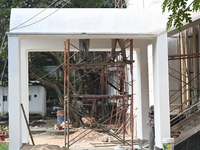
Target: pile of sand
x=42, y=147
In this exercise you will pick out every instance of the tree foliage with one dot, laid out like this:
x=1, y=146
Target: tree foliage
x=37, y=60
x=180, y=12
x=86, y=4
x=7, y=5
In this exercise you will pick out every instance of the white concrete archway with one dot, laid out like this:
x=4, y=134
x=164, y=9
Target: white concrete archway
x=99, y=25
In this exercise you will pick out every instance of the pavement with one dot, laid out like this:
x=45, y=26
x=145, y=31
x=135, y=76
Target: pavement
x=49, y=135
x=117, y=147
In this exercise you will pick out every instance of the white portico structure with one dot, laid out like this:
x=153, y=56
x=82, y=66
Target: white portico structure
x=46, y=30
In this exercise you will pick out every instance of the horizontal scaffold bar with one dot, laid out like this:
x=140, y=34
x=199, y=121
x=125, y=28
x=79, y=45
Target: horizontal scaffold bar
x=100, y=96
x=101, y=64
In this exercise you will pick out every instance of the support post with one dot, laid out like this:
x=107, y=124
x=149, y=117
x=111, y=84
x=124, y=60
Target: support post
x=161, y=90
x=142, y=93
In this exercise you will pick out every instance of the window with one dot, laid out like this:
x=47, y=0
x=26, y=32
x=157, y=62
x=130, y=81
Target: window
x=49, y=62
x=5, y=98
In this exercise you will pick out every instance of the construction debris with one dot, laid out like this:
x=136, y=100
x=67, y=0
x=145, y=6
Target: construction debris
x=37, y=123
x=42, y=147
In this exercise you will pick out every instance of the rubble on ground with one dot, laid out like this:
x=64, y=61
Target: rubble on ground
x=42, y=147
x=37, y=123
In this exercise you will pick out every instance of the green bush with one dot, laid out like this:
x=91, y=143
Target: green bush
x=3, y=147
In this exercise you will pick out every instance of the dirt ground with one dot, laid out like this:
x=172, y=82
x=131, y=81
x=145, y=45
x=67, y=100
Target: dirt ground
x=47, y=138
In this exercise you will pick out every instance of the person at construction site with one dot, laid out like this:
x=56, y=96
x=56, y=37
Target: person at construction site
x=113, y=50
x=60, y=116
x=79, y=106
x=84, y=49
x=151, y=128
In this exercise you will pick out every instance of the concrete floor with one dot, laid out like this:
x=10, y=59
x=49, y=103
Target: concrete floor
x=101, y=148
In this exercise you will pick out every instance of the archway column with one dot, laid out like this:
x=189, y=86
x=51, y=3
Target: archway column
x=14, y=94
x=142, y=92
x=161, y=90
x=24, y=90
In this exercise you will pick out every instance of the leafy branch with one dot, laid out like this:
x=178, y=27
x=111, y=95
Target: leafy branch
x=180, y=12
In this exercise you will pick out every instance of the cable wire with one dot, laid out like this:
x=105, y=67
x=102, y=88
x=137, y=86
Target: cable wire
x=18, y=26
x=50, y=72
x=42, y=18
x=33, y=16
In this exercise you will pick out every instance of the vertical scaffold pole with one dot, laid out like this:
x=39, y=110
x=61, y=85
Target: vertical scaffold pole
x=124, y=102
x=132, y=101
x=65, y=59
x=68, y=89
x=66, y=78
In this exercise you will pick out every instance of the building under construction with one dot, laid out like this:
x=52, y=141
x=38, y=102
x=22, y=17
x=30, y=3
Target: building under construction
x=184, y=84
x=106, y=93
x=138, y=22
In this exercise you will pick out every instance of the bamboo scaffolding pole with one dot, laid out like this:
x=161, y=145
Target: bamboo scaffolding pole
x=132, y=90
x=194, y=61
x=66, y=80
x=187, y=49
x=183, y=71
x=65, y=71
x=123, y=99
x=68, y=87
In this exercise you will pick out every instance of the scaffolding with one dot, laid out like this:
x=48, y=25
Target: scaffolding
x=108, y=103
x=184, y=73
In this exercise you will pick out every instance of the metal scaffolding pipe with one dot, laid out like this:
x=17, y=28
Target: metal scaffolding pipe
x=68, y=87
x=66, y=79
x=123, y=97
x=65, y=59
x=132, y=90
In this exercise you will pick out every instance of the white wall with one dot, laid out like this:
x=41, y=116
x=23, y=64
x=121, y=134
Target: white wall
x=36, y=105
x=87, y=21
x=3, y=104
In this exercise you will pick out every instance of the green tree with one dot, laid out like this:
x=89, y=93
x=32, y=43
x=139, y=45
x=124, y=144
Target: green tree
x=7, y=5
x=180, y=12
x=37, y=60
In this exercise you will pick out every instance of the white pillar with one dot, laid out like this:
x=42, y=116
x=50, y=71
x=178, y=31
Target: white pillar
x=142, y=93
x=24, y=90
x=161, y=89
x=14, y=91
